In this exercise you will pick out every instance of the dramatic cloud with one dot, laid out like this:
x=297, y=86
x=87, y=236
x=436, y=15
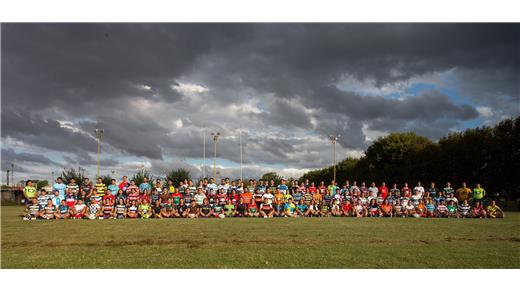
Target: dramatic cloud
x=156, y=88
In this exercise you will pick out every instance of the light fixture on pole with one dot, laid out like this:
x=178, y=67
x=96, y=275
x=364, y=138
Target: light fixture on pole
x=334, y=139
x=215, y=140
x=99, y=134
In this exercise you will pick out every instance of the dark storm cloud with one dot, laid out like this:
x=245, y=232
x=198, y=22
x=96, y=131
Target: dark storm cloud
x=95, y=75
x=46, y=133
x=11, y=156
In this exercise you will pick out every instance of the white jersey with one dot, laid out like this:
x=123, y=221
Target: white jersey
x=419, y=190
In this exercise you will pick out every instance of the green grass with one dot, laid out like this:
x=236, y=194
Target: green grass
x=261, y=243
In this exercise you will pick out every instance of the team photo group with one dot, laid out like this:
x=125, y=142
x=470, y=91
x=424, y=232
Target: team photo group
x=262, y=198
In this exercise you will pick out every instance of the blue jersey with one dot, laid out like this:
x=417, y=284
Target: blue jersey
x=302, y=207
x=113, y=189
x=63, y=208
x=145, y=186
x=283, y=188
x=60, y=187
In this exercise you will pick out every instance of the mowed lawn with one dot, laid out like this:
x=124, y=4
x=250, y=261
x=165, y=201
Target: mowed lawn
x=261, y=243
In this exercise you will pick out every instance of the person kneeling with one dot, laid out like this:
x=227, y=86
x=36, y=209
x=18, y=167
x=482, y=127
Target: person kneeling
x=494, y=211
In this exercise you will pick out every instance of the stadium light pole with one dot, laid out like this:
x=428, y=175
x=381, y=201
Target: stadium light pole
x=334, y=139
x=240, y=141
x=99, y=134
x=12, y=174
x=204, y=153
x=215, y=140
x=52, y=176
x=8, y=178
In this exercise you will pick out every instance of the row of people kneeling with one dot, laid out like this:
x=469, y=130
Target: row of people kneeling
x=108, y=209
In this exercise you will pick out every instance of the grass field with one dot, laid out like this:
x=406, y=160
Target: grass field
x=260, y=243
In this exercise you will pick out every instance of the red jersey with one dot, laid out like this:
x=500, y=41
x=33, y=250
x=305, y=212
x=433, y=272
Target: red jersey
x=133, y=187
x=109, y=197
x=123, y=185
x=312, y=189
x=346, y=207
x=384, y=191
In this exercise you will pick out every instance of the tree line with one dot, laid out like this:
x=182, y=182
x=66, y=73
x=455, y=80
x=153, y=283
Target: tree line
x=488, y=155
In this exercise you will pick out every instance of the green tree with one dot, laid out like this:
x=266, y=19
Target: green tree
x=140, y=175
x=272, y=176
x=68, y=174
x=178, y=175
x=41, y=184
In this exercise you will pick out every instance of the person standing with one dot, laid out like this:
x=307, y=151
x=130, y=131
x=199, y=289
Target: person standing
x=60, y=187
x=478, y=194
x=29, y=191
x=463, y=193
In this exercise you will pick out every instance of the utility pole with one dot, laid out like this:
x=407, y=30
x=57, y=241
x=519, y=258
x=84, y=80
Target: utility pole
x=8, y=178
x=334, y=139
x=215, y=139
x=99, y=134
x=12, y=174
x=204, y=153
x=240, y=141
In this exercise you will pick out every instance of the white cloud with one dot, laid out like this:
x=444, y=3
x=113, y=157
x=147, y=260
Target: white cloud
x=485, y=112
x=189, y=88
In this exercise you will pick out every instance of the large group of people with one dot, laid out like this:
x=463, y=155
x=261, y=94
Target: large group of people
x=262, y=198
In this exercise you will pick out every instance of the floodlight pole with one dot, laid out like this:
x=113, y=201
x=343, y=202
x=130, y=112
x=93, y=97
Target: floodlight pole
x=12, y=174
x=334, y=139
x=215, y=140
x=204, y=153
x=99, y=134
x=240, y=141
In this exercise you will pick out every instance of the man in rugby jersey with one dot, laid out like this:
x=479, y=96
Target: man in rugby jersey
x=346, y=208
x=360, y=210
x=494, y=211
x=230, y=209
x=60, y=187
x=182, y=208
x=94, y=210
x=302, y=209
x=452, y=208
x=108, y=208
x=63, y=211
x=29, y=192
x=331, y=189
x=133, y=187
x=86, y=186
x=432, y=191
x=49, y=211
x=419, y=189
x=478, y=210
x=199, y=196
x=124, y=184
x=132, y=210
x=386, y=209
x=144, y=209
x=120, y=209
x=56, y=199
x=266, y=209
x=307, y=197
x=79, y=210
x=442, y=210
x=464, y=209
x=447, y=190
x=398, y=209
x=145, y=185
x=298, y=194
x=478, y=194
x=43, y=198
x=278, y=203
x=289, y=208
x=354, y=189
x=101, y=188
x=32, y=210
x=406, y=191
x=247, y=197
x=113, y=188
x=394, y=191
x=242, y=207
x=205, y=209
x=252, y=210
x=372, y=191
x=73, y=187
x=383, y=190
x=257, y=197
x=156, y=209
x=463, y=193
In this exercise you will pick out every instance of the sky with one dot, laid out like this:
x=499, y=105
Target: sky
x=158, y=89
